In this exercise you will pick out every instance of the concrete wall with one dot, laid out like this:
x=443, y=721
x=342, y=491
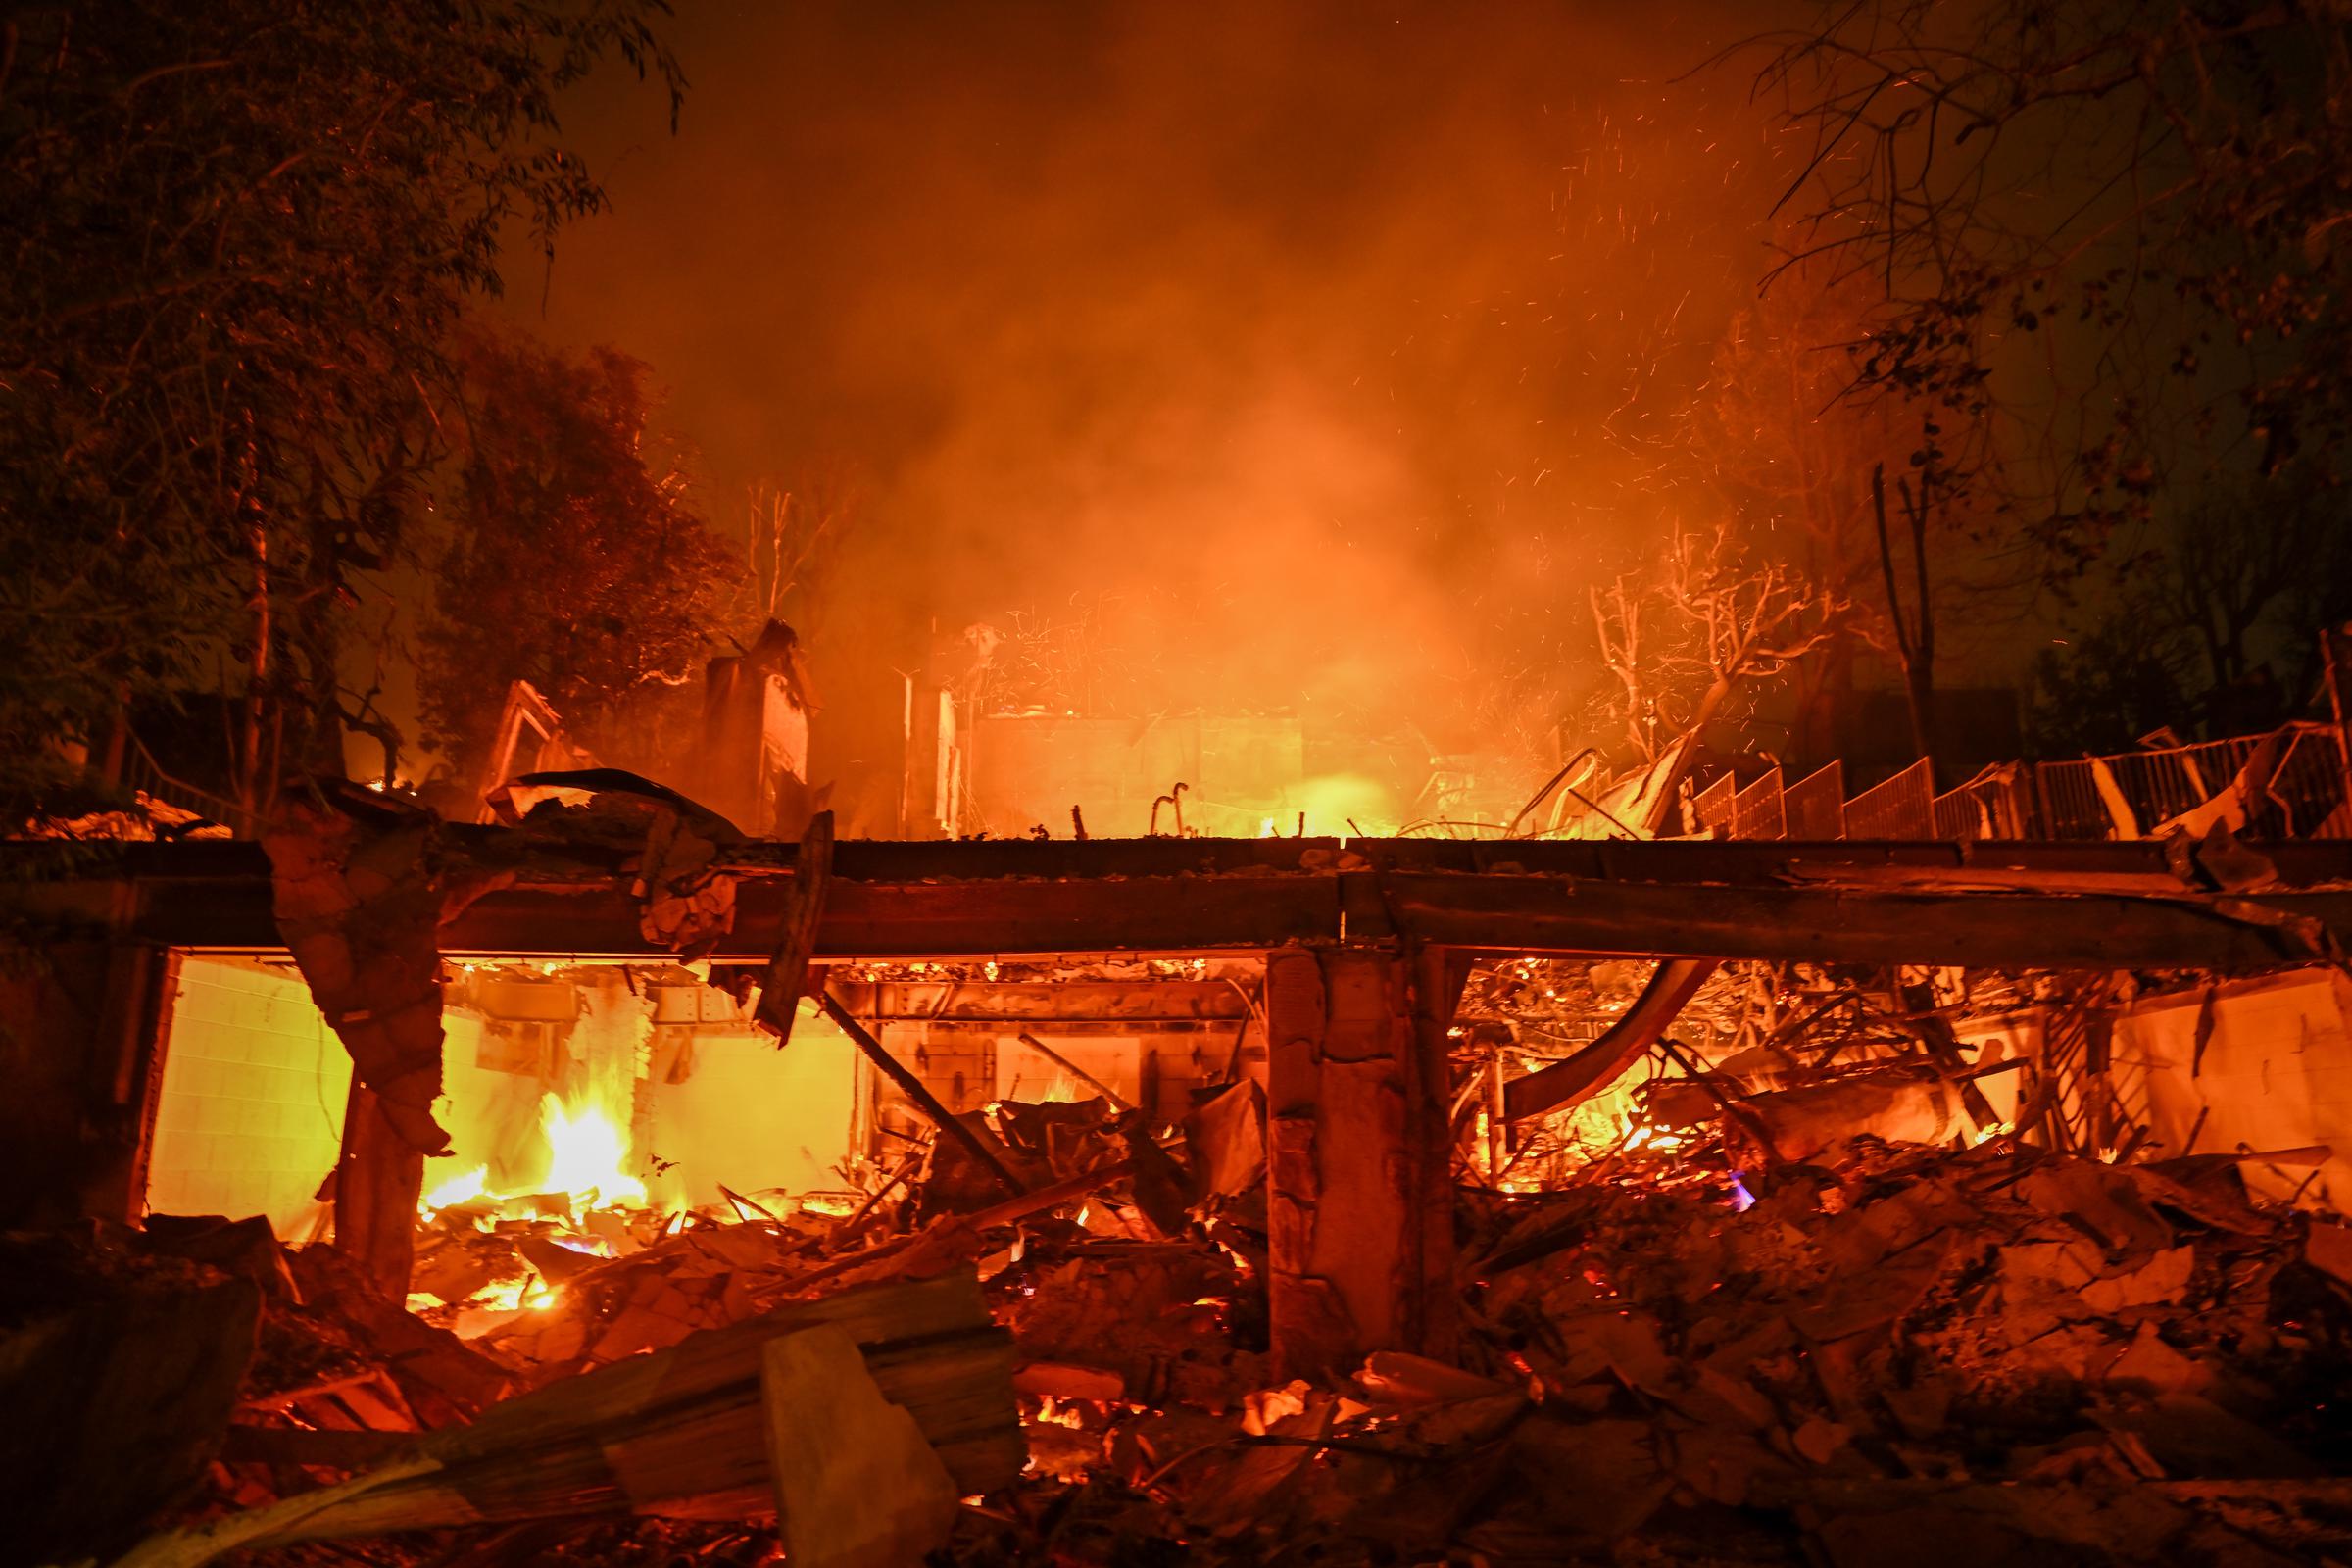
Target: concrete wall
x=250, y=1116
x=492, y=1115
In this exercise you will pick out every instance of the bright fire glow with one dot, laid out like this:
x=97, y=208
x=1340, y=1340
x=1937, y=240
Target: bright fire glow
x=460, y=1189
x=589, y=1155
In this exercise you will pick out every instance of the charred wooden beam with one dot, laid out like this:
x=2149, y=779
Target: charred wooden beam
x=787, y=974
x=1045, y=1002
x=1980, y=929
x=2017, y=905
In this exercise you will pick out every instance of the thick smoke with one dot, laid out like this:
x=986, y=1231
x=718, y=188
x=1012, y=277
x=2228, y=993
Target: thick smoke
x=1338, y=343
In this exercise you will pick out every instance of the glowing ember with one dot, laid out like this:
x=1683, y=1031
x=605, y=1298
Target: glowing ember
x=588, y=1155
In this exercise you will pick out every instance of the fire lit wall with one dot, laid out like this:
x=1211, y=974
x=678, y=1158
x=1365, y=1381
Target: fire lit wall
x=706, y=1103
x=250, y=1114
x=492, y=1115
x=754, y=1118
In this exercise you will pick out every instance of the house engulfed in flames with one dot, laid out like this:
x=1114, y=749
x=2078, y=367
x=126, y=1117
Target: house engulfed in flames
x=1754, y=1192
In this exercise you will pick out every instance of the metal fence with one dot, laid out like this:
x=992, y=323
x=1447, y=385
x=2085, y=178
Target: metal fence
x=2293, y=777
x=1814, y=806
x=1902, y=807
x=143, y=774
x=1716, y=808
x=1756, y=812
x=2291, y=783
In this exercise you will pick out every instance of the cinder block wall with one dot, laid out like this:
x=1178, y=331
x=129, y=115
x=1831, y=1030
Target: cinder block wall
x=251, y=1112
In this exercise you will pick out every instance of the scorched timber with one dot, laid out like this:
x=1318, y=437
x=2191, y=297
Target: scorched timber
x=1974, y=929
x=2012, y=906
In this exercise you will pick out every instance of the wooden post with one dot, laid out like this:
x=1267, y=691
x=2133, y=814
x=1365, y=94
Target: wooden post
x=377, y=1182
x=787, y=976
x=1360, y=1188
x=1498, y=1123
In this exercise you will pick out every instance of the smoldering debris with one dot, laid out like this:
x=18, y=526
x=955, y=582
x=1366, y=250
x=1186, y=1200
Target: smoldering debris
x=1997, y=1354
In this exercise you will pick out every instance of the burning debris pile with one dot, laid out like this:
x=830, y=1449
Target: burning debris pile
x=1996, y=1353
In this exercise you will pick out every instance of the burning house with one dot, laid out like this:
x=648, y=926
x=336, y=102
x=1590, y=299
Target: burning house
x=1473, y=787
x=1433, y=1154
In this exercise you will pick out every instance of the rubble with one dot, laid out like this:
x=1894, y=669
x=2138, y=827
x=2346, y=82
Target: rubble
x=118, y=1369
x=1996, y=1354
x=1702, y=1261
x=699, y=1431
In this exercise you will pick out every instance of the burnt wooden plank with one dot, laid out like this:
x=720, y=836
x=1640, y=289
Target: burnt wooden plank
x=1725, y=901
x=2300, y=862
x=1982, y=930
x=1046, y=1001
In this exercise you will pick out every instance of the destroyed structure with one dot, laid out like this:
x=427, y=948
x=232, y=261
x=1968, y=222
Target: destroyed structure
x=605, y=1181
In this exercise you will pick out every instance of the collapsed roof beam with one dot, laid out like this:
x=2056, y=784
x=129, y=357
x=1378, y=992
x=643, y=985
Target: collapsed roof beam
x=2093, y=906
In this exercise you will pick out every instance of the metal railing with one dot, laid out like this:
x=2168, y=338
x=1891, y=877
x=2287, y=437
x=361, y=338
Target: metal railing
x=1902, y=807
x=2296, y=790
x=1717, y=808
x=2290, y=783
x=142, y=773
x=1814, y=806
x=1756, y=810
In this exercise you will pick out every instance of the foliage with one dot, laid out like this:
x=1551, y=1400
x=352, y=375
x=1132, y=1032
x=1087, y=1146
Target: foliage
x=2116, y=229
x=576, y=561
x=233, y=239
x=1777, y=437
x=2257, y=571
x=1703, y=623
x=2100, y=693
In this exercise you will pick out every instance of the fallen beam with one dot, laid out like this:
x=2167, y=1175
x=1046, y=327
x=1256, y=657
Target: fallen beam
x=950, y=1125
x=683, y=1432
